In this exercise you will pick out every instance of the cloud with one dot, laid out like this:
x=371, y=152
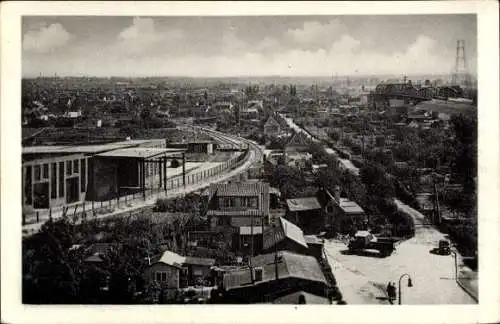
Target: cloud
x=232, y=44
x=46, y=39
x=313, y=32
x=346, y=55
x=143, y=35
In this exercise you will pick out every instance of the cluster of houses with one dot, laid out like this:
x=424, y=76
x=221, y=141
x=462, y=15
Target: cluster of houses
x=280, y=260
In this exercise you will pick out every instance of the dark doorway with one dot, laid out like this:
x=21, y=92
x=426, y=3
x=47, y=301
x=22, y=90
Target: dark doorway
x=72, y=190
x=41, y=195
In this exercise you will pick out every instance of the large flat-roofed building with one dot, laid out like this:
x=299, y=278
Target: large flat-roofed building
x=55, y=176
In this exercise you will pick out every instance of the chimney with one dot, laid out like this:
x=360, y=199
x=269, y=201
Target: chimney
x=336, y=193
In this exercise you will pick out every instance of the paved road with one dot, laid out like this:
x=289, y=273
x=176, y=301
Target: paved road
x=362, y=279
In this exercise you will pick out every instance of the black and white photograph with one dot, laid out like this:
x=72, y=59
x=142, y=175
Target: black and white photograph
x=272, y=159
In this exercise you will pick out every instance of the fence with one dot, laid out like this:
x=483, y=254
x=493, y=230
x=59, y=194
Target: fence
x=82, y=210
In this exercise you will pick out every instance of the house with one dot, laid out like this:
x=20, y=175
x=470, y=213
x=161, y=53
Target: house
x=272, y=127
x=285, y=236
x=171, y=271
x=274, y=277
x=299, y=142
x=252, y=109
x=240, y=210
x=326, y=211
x=307, y=213
x=298, y=160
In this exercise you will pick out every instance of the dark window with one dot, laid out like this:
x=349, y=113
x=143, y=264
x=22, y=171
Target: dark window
x=53, y=181
x=68, y=168
x=61, y=179
x=83, y=175
x=37, y=173
x=161, y=276
x=75, y=166
x=45, y=174
x=28, y=186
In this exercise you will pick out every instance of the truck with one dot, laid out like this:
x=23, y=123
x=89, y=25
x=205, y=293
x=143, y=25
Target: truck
x=364, y=240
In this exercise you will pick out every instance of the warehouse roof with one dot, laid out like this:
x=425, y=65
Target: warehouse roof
x=91, y=149
x=140, y=152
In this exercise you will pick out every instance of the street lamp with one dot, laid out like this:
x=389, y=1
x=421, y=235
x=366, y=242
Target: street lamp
x=410, y=284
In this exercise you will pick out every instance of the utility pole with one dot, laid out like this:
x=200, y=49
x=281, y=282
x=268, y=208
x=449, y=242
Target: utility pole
x=436, y=201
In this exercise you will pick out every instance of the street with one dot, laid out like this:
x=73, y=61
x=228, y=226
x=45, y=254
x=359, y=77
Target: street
x=363, y=279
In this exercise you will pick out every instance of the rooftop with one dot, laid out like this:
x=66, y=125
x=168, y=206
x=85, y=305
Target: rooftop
x=233, y=212
x=291, y=265
x=140, y=152
x=300, y=204
x=239, y=189
x=293, y=232
x=176, y=260
x=89, y=149
x=349, y=206
x=247, y=230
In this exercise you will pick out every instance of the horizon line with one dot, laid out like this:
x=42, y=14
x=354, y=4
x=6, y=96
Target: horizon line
x=402, y=75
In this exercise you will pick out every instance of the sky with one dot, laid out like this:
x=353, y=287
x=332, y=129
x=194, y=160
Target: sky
x=245, y=46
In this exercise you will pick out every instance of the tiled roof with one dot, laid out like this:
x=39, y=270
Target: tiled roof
x=293, y=232
x=229, y=212
x=291, y=265
x=271, y=122
x=299, y=139
x=239, y=189
x=300, y=204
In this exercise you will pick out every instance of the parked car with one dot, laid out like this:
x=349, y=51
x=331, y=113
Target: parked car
x=364, y=240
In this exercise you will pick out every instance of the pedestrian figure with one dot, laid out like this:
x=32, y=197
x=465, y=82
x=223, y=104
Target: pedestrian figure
x=388, y=289
x=391, y=292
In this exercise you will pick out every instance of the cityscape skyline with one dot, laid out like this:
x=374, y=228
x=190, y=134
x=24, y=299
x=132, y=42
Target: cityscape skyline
x=285, y=46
